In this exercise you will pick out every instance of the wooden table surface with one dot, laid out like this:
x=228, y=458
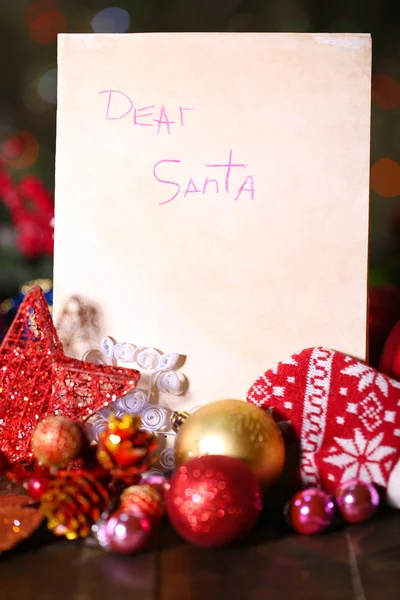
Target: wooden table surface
x=358, y=562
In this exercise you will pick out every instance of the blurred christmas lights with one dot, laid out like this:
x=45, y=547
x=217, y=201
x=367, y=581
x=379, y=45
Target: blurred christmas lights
x=385, y=178
x=44, y=20
x=111, y=20
x=47, y=86
x=20, y=151
x=385, y=91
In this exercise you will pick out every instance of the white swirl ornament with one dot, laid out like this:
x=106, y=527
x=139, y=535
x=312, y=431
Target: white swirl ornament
x=125, y=352
x=166, y=459
x=107, y=347
x=168, y=361
x=133, y=402
x=111, y=410
x=171, y=382
x=147, y=358
x=98, y=427
x=154, y=418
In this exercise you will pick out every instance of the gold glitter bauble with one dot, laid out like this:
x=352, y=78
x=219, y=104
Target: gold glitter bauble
x=232, y=428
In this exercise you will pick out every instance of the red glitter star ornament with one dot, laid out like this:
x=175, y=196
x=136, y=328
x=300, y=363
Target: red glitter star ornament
x=37, y=379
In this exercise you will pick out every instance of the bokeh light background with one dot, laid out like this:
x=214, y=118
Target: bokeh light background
x=28, y=99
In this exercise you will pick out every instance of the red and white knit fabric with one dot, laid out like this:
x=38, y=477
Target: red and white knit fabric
x=345, y=414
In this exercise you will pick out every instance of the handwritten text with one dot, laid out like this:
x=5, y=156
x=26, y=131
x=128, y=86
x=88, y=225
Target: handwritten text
x=220, y=182
x=228, y=178
x=120, y=105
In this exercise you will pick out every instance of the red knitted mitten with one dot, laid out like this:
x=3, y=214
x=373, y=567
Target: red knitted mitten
x=345, y=414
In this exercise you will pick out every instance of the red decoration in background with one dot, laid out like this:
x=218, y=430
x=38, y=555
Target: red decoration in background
x=384, y=313
x=38, y=8
x=45, y=29
x=20, y=151
x=37, y=379
x=32, y=212
x=13, y=147
x=390, y=359
x=45, y=21
x=385, y=91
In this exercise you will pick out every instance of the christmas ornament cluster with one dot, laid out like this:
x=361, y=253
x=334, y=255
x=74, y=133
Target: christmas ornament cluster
x=321, y=426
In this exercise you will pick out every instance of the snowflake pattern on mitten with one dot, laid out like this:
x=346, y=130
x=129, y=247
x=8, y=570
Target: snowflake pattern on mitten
x=345, y=414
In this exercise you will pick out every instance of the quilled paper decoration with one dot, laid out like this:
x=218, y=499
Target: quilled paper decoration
x=159, y=373
x=37, y=379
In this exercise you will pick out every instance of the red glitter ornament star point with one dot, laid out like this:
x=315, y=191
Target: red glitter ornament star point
x=37, y=379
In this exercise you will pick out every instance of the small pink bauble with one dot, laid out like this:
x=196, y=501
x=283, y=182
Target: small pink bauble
x=124, y=533
x=311, y=511
x=357, y=501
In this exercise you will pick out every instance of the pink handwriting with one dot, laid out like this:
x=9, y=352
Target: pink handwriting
x=119, y=105
x=208, y=185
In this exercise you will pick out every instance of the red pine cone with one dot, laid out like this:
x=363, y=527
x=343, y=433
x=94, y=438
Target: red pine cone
x=125, y=450
x=74, y=501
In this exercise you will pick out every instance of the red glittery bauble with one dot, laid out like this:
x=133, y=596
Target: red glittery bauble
x=213, y=500
x=143, y=501
x=357, y=501
x=56, y=441
x=311, y=511
x=124, y=533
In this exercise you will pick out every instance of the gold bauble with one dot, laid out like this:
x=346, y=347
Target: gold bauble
x=232, y=428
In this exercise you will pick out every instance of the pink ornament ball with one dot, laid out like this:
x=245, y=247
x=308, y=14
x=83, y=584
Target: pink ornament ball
x=311, y=511
x=357, y=501
x=124, y=533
